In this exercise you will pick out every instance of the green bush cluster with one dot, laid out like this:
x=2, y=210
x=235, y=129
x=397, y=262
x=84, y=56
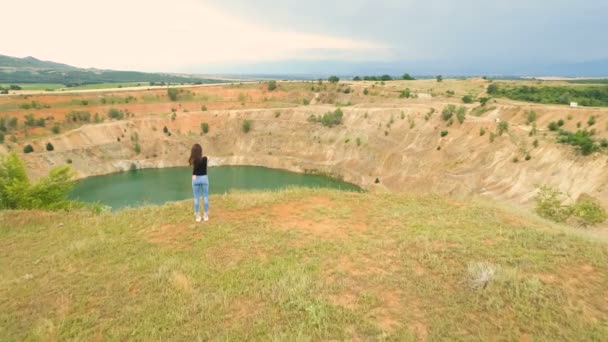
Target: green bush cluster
x=531, y=116
x=172, y=93
x=17, y=192
x=78, y=116
x=448, y=111
x=117, y=114
x=583, y=95
x=328, y=119
x=503, y=127
x=381, y=78
x=405, y=93
x=272, y=85
x=33, y=105
x=583, y=140
x=246, y=126
x=8, y=124
x=467, y=99
x=586, y=211
x=205, y=127
x=32, y=121
x=461, y=114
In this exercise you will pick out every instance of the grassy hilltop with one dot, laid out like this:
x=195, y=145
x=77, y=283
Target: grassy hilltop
x=300, y=264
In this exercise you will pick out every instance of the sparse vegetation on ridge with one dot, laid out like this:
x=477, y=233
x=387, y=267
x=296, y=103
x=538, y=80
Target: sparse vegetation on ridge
x=328, y=119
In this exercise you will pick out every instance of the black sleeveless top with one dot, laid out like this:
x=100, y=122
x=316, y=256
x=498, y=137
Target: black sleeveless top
x=200, y=167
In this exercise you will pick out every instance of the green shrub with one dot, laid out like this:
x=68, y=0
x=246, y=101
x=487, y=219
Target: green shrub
x=203, y=108
x=448, y=112
x=358, y=141
x=553, y=126
x=28, y=149
x=306, y=102
x=588, y=211
x=365, y=91
x=246, y=126
x=56, y=129
x=1, y=138
x=444, y=133
x=272, y=85
x=117, y=114
x=333, y=79
x=461, y=114
x=49, y=147
x=205, y=127
x=503, y=126
x=172, y=93
x=535, y=143
x=549, y=205
x=16, y=191
x=582, y=140
x=11, y=123
x=482, y=132
x=407, y=77
x=405, y=93
x=484, y=100
x=467, y=99
x=439, y=78
x=591, y=121
x=532, y=116
x=137, y=148
x=560, y=122
x=492, y=137
x=328, y=119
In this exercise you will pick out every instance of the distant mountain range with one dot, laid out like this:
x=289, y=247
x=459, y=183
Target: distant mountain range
x=33, y=70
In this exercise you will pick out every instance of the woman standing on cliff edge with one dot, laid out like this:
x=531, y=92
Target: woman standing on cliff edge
x=200, y=181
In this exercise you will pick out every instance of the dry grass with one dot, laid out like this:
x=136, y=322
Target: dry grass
x=300, y=264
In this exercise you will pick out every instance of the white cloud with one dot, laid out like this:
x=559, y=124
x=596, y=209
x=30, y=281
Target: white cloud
x=155, y=35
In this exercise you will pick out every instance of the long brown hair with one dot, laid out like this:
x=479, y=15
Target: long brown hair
x=196, y=154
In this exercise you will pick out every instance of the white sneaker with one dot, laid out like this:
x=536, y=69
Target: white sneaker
x=198, y=218
x=205, y=217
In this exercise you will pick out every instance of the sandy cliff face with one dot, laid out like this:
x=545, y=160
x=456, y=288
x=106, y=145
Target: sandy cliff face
x=397, y=146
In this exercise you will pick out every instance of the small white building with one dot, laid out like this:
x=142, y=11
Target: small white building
x=573, y=104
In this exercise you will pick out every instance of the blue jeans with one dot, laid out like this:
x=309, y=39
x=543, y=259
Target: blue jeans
x=200, y=187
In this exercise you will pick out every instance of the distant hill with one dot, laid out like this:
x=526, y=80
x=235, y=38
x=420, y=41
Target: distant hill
x=30, y=62
x=33, y=70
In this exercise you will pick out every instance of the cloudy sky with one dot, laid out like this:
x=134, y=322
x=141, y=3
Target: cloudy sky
x=294, y=36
